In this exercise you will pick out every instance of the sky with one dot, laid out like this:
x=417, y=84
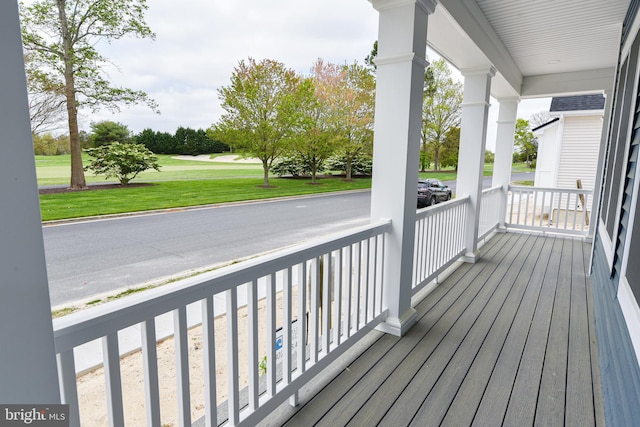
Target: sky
x=199, y=42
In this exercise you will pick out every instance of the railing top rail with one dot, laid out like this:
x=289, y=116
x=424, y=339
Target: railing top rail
x=431, y=210
x=78, y=328
x=492, y=189
x=551, y=189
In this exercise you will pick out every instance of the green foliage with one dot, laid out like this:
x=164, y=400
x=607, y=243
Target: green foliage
x=489, y=156
x=48, y=145
x=185, y=141
x=362, y=164
x=290, y=166
x=72, y=47
x=316, y=138
x=369, y=60
x=262, y=110
x=525, y=143
x=61, y=38
x=106, y=132
x=441, y=108
x=355, y=113
x=262, y=366
x=451, y=149
x=426, y=157
x=123, y=161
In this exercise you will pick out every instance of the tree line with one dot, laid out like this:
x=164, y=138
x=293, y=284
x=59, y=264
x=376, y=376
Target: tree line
x=185, y=141
x=270, y=111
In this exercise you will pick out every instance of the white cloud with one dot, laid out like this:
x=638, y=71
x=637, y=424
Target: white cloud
x=198, y=43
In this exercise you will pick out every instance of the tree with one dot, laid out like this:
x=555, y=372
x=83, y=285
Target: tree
x=262, y=110
x=320, y=96
x=369, y=60
x=124, y=161
x=48, y=145
x=105, y=132
x=489, y=156
x=61, y=38
x=46, y=99
x=441, y=107
x=526, y=144
x=355, y=108
x=539, y=118
x=451, y=148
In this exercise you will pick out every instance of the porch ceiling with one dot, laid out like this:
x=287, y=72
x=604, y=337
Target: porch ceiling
x=539, y=48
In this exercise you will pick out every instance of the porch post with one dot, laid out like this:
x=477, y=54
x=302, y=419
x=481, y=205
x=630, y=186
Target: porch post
x=473, y=135
x=28, y=372
x=507, y=116
x=402, y=44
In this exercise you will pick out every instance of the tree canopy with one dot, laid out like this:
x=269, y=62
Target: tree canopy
x=46, y=99
x=262, y=110
x=106, y=131
x=525, y=143
x=61, y=38
x=441, y=110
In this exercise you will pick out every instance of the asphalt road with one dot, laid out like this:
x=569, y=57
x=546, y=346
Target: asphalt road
x=90, y=258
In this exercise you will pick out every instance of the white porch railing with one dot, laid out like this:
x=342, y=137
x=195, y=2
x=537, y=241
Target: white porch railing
x=553, y=210
x=489, y=211
x=298, y=310
x=439, y=240
x=270, y=292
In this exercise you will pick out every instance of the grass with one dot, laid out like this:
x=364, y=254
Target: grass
x=450, y=174
x=55, y=170
x=176, y=194
x=183, y=183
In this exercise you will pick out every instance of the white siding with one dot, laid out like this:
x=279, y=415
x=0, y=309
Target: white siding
x=579, y=152
x=547, y=160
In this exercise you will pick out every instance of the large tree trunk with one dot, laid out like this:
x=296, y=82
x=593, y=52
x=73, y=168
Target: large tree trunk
x=78, y=181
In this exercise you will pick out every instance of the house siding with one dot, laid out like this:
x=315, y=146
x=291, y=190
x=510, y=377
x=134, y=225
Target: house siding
x=619, y=370
x=547, y=157
x=579, y=151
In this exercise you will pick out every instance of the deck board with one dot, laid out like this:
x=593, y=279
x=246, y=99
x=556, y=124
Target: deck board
x=471, y=390
x=506, y=341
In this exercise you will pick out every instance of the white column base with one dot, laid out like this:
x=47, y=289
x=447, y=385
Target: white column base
x=399, y=326
x=471, y=257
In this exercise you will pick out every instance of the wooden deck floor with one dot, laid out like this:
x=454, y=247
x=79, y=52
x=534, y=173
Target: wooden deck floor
x=507, y=341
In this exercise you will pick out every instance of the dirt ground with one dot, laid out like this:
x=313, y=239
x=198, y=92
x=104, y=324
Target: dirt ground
x=91, y=386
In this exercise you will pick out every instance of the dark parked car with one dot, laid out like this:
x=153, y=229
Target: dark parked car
x=432, y=191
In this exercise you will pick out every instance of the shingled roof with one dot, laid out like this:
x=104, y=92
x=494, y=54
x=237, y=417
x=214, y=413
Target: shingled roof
x=577, y=103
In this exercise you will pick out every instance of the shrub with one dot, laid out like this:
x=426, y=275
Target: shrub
x=361, y=165
x=291, y=165
x=124, y=161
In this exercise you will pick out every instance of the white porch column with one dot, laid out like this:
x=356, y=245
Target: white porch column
x=507, y=116
x=473, y=135
x=28, y=372
x=402, y=43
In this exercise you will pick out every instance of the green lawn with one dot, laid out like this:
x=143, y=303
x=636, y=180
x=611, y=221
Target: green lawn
x=175, y=194
x=55, y=170
x=450, y=174
x=184, y=183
